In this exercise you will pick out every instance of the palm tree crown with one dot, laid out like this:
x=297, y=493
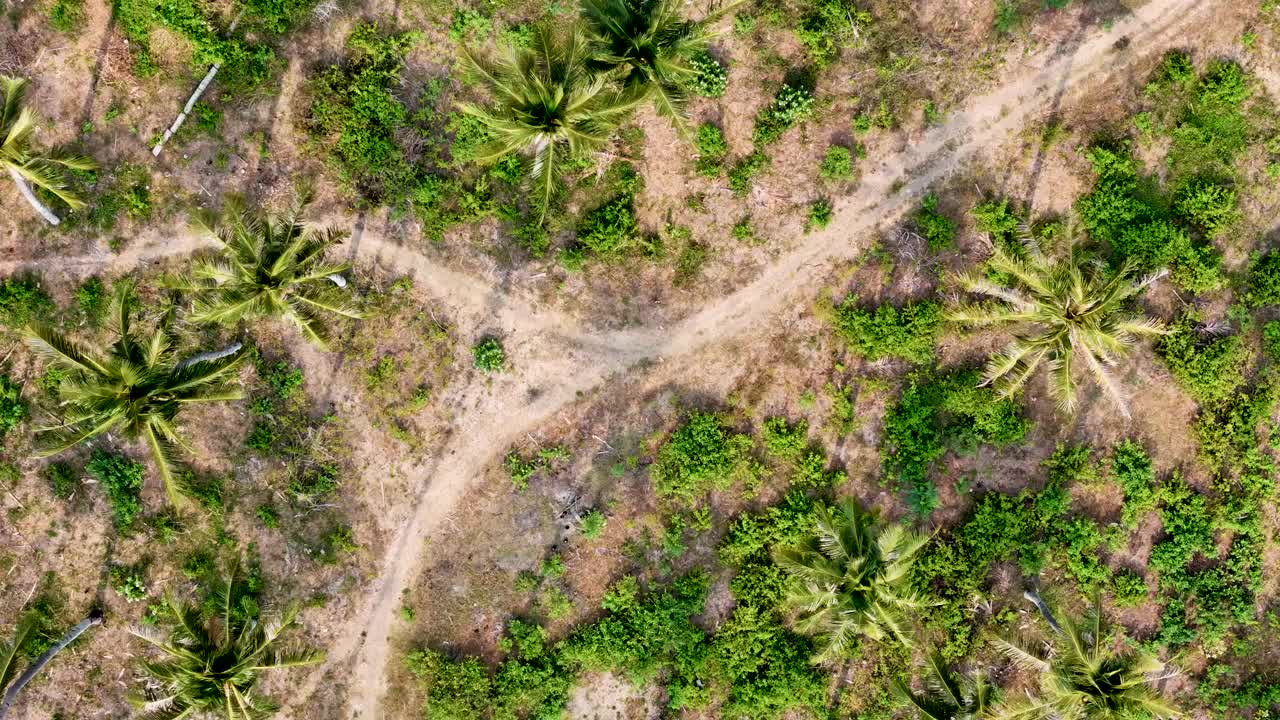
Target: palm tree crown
x=269, y=267
x=210, y=668
x=549, y=105
x=1083, y=677
x=653, y=42
x=949, y=696
x=850, y=578
x=24, y=165
x=1069, y=308
x=137, y=385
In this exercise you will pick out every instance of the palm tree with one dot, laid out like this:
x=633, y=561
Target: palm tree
x=653, y=43
x=850, y=578
x=550, y=106
x=210, y=668
x=269, y=267
x=137, y=385
x=950, y=696
x=9, y=656
x=1069, y=308
x=1084, y=677
x=25, y=166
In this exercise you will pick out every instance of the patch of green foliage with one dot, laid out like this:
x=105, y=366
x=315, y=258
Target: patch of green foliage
x=22, y=301
x=712, y=148
x=710, y=78
x=277, y=16
x=128, y=583
x=66, y=16
x=701, y=455
x=939, y=412
x=828, y=27
x=938, y=230
x=908, y=332
x=121, y=480
x=995, y=218
x=1128, y=588
x=1211, y=368
x=244, y=65
x=745, y=170
x=793, y=104
x=1263, y=286
x=784, y=440
x=837, y=164
x=12, y=408
x=591, y=524
x=488, y=356
x=1131, y=468
x=1271, y=340
x=61, y=478
x=819, y=215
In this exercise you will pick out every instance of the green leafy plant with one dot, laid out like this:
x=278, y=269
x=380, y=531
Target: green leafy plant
x=820, y=214
x=138, y=386
x=711, y=146
x=12, y=408
x=908, y=332
x=828, y=27
x=837, y=164
x=121, y=480
x=710, y=78
x=488, y=356
x=745, y=170
x=938, y=230
x=128, y=583
x=66, y=16
x=702, y=454
x=591, y=524
x=1073, y=310
x=850, y=579
x=793, y=104
x=23, y=301
x=270, y=267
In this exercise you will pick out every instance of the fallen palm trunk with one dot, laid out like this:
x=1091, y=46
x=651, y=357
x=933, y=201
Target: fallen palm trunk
x=191, y=101
x=27, y=193
x=231, y=349
x=11, y=695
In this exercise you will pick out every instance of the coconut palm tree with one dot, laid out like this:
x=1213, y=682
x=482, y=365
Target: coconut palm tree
x=949, y=696
x=550, y=106
x=653, y=44
x=137, y=385
x=849, y=579
x=209, y=668
x=1084, y=677
x=1067, y=308
x=25, y=165
x=269, y=267
x=9, y=657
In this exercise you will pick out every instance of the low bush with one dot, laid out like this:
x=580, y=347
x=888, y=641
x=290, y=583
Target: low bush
x=820, y=214
x=1131, y=468
x=710, y=77
x=488, y=355
x=837, y=164
x=121, y=480
x=1206, y=205
x=745, y=170
x=712, y=148
x=701, y=455
x=784, y=440
x=1209, y=368
x=937, y=229
x=1128, y=589
x=22, y=301
x=829, y=27
x=995, y=218
x=611, y=230
x=12, y=408
x=908, y=332
x=62, y=480
x=66, y=16
x=793, y=104
x=1263, y=284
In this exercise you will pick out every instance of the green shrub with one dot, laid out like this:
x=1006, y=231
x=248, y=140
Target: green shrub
x=22, y=300
x=935, y=413
x=710, y=77
x=62, y=480
x=128, y=583
x=313, y=485
x=244, y=65
x=909, y=332
x=592, y=524
x=1008, y=17
x=701, y=455
x=1263, y=285
x=711, y=147
x=12, y=408
x=66, y=16
x=996, y=219
x=1131, y=468
x=745, y=170
x=1206, y=205
x=793, y=104
x=1209, y=369
x=611, y=229
x=1271, y=340
x=1071, y=464
x=488, y=356
x=829, y=27
x=820, y=214
x=268, y=516
x=1128, y=589
x=837, y=164
x=277, y=16
x=936, y=228
x=121, y=480
x=784, y=440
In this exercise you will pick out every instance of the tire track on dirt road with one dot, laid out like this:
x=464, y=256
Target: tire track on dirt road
x=556, y=372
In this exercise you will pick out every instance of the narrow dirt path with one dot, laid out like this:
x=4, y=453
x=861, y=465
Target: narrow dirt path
x=557, y=370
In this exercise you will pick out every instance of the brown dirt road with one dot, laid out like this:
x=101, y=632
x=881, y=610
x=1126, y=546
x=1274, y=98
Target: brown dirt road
x=555, y=360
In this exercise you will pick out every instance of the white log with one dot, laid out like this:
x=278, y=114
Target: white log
x=231, y=349
x=25, y=189
x=182, y=116
x=337, y=279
